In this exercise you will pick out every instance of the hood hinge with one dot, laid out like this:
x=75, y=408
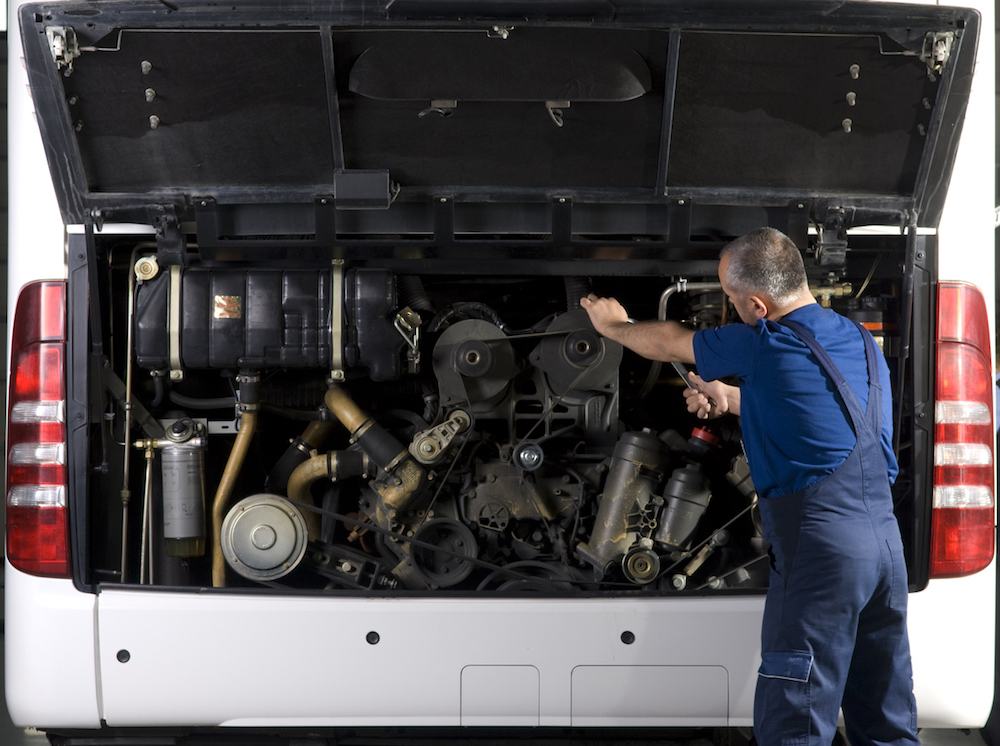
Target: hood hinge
x=63, y=45
x=937, y=49
x=171, y=243
x=831, y=246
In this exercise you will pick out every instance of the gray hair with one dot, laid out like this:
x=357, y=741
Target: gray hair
x=765, y=262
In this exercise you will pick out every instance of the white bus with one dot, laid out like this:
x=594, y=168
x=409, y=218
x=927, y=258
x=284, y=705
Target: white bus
x=308, y=436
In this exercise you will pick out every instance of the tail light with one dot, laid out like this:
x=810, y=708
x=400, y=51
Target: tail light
x=962, y=517
x=37, y=521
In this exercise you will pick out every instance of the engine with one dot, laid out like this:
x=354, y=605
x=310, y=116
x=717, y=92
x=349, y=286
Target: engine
x=404, y=433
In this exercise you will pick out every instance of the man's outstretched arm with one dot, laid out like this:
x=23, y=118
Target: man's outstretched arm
x=665, y=341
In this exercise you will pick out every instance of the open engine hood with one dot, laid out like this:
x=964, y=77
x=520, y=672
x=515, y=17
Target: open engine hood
x=553, y=121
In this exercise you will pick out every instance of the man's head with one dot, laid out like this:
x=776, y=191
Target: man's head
x=763, y=275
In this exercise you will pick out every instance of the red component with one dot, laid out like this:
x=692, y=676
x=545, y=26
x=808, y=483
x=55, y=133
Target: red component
x=37, y=516
x=706, y=435
x=963, y=505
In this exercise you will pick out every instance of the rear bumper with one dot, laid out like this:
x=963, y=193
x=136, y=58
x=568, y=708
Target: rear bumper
x=147, y=659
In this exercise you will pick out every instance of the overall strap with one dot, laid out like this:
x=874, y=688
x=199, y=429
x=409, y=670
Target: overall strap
x=873, y=417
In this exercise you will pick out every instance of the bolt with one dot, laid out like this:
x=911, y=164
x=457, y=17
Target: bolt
x=146, y=66
x=263, y=537
x=852, y=98
x=154, y=122
x=855, y=71
x=150, y=95
x=847, y=124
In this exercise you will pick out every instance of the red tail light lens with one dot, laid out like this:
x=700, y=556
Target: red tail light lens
x=962, y=517
x=37, y=520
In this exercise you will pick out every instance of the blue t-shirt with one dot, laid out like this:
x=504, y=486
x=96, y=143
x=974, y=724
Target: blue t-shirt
x=795, y=426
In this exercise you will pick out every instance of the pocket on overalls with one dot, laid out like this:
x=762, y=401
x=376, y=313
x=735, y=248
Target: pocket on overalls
x=898, y=588
x=782, y=709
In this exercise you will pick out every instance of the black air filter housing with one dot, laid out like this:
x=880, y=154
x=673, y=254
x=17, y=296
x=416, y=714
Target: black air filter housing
x=242, y=318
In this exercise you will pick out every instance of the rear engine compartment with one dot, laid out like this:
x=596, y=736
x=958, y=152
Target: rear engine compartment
x=346, y=427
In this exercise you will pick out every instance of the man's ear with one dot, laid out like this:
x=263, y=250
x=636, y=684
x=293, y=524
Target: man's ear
x=759, y=306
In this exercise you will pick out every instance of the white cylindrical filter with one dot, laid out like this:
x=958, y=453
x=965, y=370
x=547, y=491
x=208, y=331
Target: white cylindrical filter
x=182, y=466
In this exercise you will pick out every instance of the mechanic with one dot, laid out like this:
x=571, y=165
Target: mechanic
x=814, y=400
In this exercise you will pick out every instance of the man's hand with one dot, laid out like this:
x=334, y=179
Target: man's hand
x=604, y=312
x=726, y=398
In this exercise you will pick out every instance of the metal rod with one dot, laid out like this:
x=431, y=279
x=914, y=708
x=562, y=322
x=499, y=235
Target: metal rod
x=126, y=494
x=147, y=511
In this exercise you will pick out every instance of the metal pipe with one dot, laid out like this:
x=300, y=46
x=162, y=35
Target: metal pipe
x=126, y=493
x=302, y=478
x=224, y=491
x=333, y=465
x=681, y=286
x=344, y=409
x=404, y=478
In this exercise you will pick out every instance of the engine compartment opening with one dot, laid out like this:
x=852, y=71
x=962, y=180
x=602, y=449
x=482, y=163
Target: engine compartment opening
x=356, y=428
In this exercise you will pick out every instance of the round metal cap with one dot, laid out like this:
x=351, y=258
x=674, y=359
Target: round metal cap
x=264, y=537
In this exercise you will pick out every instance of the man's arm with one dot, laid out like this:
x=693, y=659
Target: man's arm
x=665, y=341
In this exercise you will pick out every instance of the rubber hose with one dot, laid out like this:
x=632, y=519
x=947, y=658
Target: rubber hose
x=412, y=293
x=576, y=288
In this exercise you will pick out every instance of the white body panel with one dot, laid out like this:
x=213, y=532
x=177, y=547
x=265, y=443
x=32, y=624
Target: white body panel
x=192, y=662
x=50, y=649
x=200, y=659
x=951, y=626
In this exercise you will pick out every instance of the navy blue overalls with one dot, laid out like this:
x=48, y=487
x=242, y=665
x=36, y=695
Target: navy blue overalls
x=834, y=629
